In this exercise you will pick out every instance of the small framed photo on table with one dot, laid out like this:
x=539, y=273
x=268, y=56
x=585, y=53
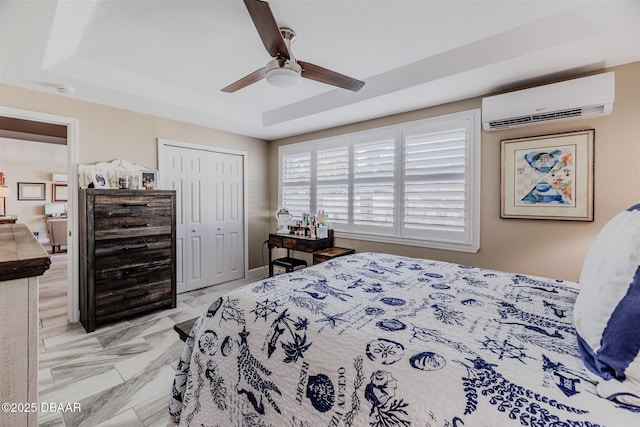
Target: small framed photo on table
x=149, y=180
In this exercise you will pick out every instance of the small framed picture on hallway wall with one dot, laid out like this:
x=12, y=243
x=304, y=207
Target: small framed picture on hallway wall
x=59, y=192
x=31, y=191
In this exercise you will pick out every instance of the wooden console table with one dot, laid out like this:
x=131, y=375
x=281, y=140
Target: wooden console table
x=296, y=243
x=8, y=219
x=22, y=260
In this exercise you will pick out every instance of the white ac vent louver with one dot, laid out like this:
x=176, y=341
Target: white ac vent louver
x=569, y=100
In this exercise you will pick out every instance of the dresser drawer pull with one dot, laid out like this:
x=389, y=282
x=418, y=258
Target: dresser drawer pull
x=133, y=248
x=141, y=270
x=140, y=293
x=127, y=205
x=135, y=225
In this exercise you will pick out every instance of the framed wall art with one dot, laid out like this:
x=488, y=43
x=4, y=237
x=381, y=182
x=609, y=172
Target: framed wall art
x=59, y=192
x=31, y=191
x=548, y=177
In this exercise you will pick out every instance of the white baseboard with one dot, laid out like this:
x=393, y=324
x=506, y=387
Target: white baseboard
x=258, y=273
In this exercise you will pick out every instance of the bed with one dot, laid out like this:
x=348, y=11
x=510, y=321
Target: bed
x=374, y=339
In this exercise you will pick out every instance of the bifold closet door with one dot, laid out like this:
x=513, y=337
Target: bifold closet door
x=186, y=172
x=210, y=215
x=227, y=216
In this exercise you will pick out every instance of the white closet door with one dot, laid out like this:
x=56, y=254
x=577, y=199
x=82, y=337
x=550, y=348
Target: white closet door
x=210, y=215
x=186, y=172
x=227, y=216
x=173, y=178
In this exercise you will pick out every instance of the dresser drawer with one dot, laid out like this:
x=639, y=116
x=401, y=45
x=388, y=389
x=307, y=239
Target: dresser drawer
x=275, y=240
x=131, y=232
x=117, y=277
x=118, y=226
x=118, y=300
x=131, y=258
x=116, y=205
x=131, y=245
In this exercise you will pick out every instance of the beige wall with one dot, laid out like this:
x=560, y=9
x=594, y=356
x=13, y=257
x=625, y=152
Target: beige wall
x=540, y=247
x=31, y=212
x=107, y=133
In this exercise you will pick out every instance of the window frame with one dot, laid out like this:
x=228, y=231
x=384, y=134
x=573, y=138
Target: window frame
x=468, y=241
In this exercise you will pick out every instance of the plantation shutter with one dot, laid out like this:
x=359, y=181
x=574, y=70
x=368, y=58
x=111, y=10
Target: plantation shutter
x=415, y=183
x=332, y=191
x=434, y=183
x=296, y=183
x=373, y=183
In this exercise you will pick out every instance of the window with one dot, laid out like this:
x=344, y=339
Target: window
x=332, y=183
x=296, y=183
x=415, y=184
x=374, y=183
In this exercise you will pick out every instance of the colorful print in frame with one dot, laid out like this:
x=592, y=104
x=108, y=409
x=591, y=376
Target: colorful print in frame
x=548, y=177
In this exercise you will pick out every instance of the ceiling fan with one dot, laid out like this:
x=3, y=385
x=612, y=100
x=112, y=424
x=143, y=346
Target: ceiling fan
x=284, y=69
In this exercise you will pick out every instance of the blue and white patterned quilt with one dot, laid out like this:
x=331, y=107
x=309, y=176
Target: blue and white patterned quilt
x=382, y=340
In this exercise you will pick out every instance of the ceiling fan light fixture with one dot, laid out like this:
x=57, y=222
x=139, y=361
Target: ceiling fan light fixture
x=282, y=77
x=284, y=70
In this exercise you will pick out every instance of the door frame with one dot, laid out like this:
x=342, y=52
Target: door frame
x=163, y=143
x=73, y=297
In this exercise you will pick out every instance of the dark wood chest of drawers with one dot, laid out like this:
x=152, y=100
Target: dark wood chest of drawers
x=127, y=253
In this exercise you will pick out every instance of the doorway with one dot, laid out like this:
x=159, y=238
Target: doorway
x=71, y=125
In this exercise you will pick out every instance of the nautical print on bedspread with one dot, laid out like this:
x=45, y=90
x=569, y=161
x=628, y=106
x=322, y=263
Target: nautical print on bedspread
x=381, y=340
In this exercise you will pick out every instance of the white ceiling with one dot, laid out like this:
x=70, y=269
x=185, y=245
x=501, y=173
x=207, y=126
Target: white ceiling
x=170, y=58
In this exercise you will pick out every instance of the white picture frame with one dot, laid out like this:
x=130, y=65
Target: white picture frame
x=99, y=179
x=148, y=180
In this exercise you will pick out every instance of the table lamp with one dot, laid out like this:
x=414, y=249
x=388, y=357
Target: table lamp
x=4, y=193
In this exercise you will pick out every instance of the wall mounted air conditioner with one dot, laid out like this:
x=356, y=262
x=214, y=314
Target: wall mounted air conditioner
x=572, y=99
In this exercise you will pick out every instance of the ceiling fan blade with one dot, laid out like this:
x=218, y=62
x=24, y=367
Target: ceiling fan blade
x=246, y=81
x=267, y=28
x=323, y=75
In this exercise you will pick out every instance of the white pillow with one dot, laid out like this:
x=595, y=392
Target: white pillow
x=607, y=310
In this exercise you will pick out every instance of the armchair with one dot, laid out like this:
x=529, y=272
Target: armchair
x=57, y=228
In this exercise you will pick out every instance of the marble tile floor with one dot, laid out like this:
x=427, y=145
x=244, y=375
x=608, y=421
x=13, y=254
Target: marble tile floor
x=121, y=374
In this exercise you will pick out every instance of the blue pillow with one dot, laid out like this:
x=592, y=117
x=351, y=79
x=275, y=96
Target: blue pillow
x=607, y=310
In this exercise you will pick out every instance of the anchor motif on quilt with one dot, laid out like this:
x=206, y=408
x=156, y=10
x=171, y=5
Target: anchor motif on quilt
x=515, y=401
x=249, y=377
